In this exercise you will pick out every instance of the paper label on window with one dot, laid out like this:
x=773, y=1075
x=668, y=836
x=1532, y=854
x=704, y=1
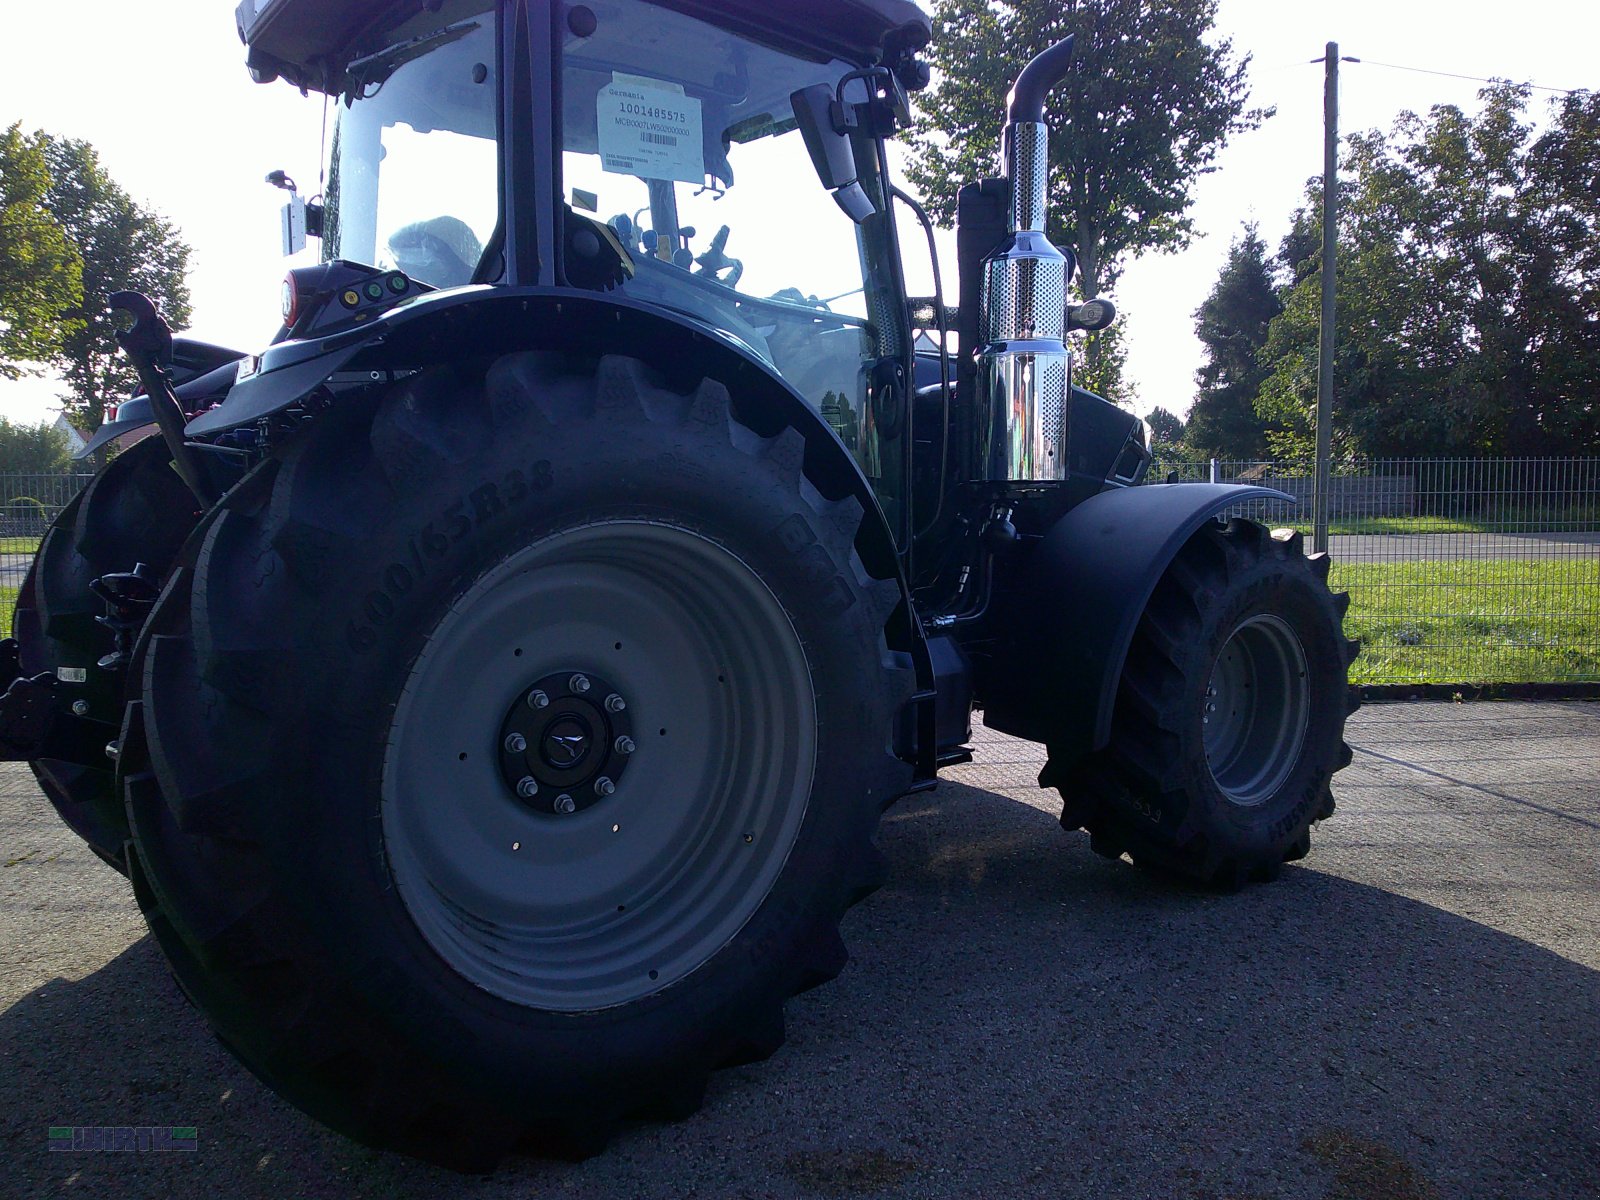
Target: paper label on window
x=649, y=128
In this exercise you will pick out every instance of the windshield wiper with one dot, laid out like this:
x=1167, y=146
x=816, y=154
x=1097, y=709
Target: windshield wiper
x=376, y=68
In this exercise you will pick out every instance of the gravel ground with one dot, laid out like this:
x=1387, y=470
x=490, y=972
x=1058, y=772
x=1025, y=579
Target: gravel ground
x=1413, y=1012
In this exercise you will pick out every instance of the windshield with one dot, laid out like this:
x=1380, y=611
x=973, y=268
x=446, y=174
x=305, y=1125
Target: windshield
x=413, y=177
x=679, y=139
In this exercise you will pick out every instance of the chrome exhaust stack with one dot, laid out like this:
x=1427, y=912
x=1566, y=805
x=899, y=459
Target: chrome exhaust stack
x=1023, y=366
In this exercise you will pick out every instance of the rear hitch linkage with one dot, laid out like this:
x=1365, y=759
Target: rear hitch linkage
x=32, y=723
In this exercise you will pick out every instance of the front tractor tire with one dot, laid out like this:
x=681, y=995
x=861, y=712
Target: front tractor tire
x=1230, y=714
x=510, y=753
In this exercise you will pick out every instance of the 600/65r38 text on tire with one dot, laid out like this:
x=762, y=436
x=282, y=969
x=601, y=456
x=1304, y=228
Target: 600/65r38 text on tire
x=510, y=754
x=135, y=511
x=1230, y=714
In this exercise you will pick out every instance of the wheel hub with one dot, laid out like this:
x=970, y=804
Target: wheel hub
x=1256, y=709
x=565, y=743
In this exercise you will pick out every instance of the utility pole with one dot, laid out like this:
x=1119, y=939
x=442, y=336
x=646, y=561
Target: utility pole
x=1330, y=231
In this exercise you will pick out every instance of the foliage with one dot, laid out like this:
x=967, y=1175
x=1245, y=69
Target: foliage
x=1147, y=106
x=1232, y=325
x=40, y=274
x=1469, y=276
x=1099, y=365
x=32, y=449
x=123, y=246
x=1166, y=429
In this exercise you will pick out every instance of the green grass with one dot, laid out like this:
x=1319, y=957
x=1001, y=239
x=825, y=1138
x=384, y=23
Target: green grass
x=1474, y=621
x=1411, y=525
x=19, y=545
x=8, y=601
x=1508, y=523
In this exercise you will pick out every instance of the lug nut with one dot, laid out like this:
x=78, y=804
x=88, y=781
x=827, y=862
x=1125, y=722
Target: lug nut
x=603, y=786
x=80, y=708
x=527, y=787
x=515, y=743
x=615, y=703
x=579, y=684
x=565, y=803
x=537, y=699
x=623, y=745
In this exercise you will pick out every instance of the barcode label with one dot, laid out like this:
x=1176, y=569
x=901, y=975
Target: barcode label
x=650, y=129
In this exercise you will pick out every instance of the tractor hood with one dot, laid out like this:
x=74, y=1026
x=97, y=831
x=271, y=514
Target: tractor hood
x=309, y=42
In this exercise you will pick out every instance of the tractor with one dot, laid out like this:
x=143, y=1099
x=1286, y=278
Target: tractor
x=491, y=686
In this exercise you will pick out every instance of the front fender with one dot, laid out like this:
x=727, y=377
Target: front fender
x=1072, y=616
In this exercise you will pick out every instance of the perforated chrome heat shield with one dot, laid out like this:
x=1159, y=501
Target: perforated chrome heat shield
x=1023, y=369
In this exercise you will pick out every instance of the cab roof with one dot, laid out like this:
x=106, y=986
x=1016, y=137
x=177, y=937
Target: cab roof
x=308, y=42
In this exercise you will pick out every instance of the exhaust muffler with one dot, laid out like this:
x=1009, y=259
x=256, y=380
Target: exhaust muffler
x=1023, y=365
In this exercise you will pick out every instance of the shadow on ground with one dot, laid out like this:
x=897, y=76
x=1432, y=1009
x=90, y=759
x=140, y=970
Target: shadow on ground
x=1021, y=1019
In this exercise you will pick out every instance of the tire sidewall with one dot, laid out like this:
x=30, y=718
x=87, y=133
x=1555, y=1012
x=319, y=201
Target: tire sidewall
x=1286, y=589
x=445, y=533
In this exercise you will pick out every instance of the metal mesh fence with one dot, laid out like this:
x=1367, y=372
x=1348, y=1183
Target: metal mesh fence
x=28, y=503
x=1459, y=570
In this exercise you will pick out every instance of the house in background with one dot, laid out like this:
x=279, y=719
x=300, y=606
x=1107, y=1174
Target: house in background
x=75, y=440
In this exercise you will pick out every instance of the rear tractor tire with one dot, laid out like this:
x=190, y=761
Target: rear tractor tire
x=1229, y=720
x=510, y=754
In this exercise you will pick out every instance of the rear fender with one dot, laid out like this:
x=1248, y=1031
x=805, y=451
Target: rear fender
x=475, y=325
x=1070, y=620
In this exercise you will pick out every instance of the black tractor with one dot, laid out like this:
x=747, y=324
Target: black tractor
x=492, y=686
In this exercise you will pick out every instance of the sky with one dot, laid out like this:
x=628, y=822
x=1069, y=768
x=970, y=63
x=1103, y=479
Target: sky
x=177, y=121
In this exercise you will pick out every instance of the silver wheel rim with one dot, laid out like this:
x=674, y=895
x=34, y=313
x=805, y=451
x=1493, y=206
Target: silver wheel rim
x=605, y=905
x=1256, y=710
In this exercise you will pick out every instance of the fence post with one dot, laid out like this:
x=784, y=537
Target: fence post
x=1330, y=228
x=1213, y=470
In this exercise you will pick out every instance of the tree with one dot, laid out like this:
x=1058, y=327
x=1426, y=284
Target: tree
x=1232, y=325
x=1099, y=363
x=1147, y=106
x=1469, y=270
x=40, y=275
x=1166, y=429
x=32, y=449
x=123, y=246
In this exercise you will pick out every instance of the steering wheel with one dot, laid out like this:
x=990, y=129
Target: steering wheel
x=715, y=261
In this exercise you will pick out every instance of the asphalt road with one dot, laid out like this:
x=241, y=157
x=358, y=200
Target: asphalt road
x=1415, y=547
x=12, y=568
x=1413, y=1013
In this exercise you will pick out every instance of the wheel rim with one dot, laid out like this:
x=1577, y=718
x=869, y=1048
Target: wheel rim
x=1256, y=710
x=585, y=909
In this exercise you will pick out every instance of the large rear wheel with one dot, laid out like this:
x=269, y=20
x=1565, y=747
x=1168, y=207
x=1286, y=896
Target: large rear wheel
x=510, y=754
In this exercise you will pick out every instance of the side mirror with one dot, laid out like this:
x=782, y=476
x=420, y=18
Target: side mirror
x=829, y=147
x=300, y=217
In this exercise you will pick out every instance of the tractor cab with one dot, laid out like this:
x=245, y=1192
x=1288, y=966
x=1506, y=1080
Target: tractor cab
x=658, y=152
